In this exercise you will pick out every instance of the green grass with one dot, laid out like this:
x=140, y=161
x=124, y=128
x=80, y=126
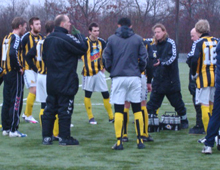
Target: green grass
x=171, y=150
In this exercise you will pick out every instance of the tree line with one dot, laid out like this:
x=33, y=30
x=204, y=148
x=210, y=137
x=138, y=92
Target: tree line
x=143, y=14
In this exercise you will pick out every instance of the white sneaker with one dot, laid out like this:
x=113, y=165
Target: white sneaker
x=202, y=140
x=71, y=125
x=207, y=150
x=5, y=132
x=17, y=134
x=31, y=119
x=24, y=116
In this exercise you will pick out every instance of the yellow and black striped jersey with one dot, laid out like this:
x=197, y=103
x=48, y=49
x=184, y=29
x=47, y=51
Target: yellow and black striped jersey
x=28, y=41
x=92, y=61
x=203, y=61
x=11, y=50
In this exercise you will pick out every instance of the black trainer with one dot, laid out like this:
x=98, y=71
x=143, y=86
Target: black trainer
x=147, y=139
x=197, y=130
x=111, y=120
x=55, y=138
x=47, y=141
x=184, y=124
x=117, y=147
x=140, y=146
x=124, y=139
x=68, y=141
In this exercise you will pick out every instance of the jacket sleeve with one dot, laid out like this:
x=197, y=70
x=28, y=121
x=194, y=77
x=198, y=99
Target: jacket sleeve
x=149, y=70
x=29, y=58
x=13, y=53
x=171, y=55
x=107, y=57
x=142, y=57
x=193, y=57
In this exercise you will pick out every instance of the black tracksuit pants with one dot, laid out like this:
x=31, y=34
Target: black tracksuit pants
x=12, y=100
x=175, y=100
x=61, y=105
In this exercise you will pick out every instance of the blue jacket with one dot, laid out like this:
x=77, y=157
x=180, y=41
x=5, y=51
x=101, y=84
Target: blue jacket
x=217, y=74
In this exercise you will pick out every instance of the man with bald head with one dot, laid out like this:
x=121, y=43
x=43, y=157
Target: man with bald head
x=198, y=128
x=60, y=54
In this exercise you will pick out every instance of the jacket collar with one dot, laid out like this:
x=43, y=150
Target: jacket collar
x=61, y=29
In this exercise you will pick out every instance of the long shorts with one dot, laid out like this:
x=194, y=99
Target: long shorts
x=204, y=95
x=41, y=89
x=125, y=89
x=95, y=83
x=30, y=78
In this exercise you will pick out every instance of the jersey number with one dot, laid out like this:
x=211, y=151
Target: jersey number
x=210, y=55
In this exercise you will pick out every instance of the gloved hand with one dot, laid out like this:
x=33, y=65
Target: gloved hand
x=75, y=31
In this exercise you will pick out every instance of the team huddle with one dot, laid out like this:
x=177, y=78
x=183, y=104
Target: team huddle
x=47, y=66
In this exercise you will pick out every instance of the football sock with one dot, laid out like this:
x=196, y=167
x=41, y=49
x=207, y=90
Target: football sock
x=108, y=108
x=88, y=106
x=118, y=126
x=205, y=116
x=40, y=114
x=210, y=109
x=157, y=111
x=125, y=123
x=30, y=102
x=138, y=120
x=145, y=120
x=56, y=126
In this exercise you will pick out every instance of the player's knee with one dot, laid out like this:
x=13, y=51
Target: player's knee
x=136, y=107
x=119, y=108
x=105, y=95
x=33, y=90
x=88, y=94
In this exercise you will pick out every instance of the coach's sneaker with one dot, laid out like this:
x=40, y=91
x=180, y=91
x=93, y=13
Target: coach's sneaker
x=68, y=141
x=147, y=139
x=197, y=130
x=17, y=134
x=31, y=119
x=207, y=150
x=24, y=116
x=92, y=121
x=47, y=141
x=184, y=124
x=117, y=147
x=124, y=139
x=5, y=132
x=202, y=140
x=55, y=138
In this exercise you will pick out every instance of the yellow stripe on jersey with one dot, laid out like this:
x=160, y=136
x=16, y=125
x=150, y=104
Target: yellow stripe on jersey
x=39, y=61
x=206, y=63
x=92, y=61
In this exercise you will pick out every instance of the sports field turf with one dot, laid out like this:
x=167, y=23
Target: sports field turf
x=172, y=150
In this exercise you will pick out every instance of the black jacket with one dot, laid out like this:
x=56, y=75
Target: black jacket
x=60, y=54
x=125, y=53
x=166, y=75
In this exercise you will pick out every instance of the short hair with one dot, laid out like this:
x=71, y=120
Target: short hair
x=202, y=26
x=163, y=28
x=124, y=22
x=49, y=26
x=31, y=21
x=93, y=25
x=17, y=21
x=59, y=19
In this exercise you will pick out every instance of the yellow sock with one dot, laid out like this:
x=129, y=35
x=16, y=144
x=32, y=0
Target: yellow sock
x=29, y=104
x=40, y=114
x=205, y=116
x=108, y=107
x=138, y=120
x=56, y=126
x=210, y=109
x=157, y=112
x=126, y=120
x=118, y=126
x=145, y=120
x=88, y=106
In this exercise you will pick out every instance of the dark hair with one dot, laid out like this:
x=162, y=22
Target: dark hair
x=59, y=19
x=124, y=22
x=31, y=21
x=17, y=21
x=49, y=26
x=93, y=25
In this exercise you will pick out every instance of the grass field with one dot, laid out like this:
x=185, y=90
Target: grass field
x=173, y=150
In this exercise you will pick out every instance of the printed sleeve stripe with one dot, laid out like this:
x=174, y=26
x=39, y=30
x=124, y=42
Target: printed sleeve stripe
x=73, y=38
x=17, y=42
x=24, y=35
x=192, y=52
x=173, y=52
x=101, y=39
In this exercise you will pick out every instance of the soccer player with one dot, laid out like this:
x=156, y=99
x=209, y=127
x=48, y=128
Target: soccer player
x=61, y=51
x=125, y=58
x=35, y=53
x=12, y=64
x=202, y=59
x=166, y=75
x=146, y=77
x=198, y=128
x=93, y=73
x=30, y=40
